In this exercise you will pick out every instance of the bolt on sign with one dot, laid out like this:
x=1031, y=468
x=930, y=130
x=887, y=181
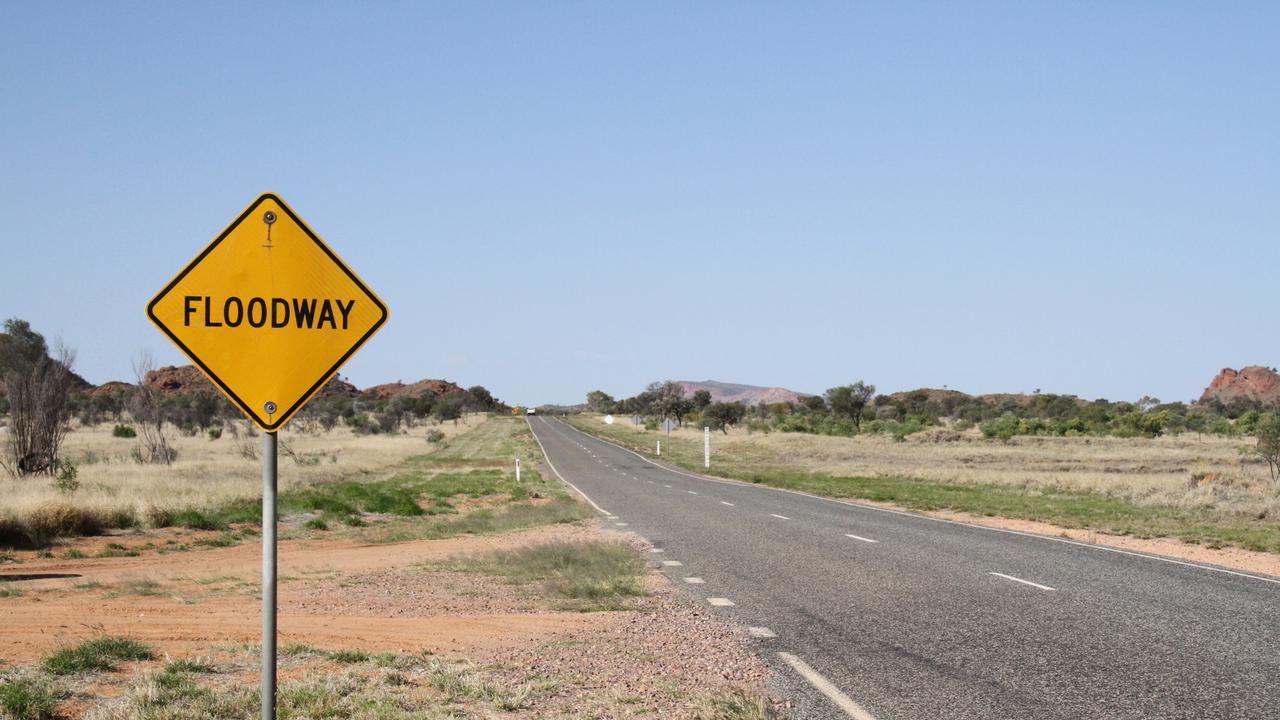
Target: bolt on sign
x=268, y=312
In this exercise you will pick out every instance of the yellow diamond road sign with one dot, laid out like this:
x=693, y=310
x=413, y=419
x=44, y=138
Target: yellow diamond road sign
x=268, y=312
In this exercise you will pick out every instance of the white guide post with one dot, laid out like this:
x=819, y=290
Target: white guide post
x=706, y=447
x=517, y=469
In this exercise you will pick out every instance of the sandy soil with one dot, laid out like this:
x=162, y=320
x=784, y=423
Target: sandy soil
x=654, y=660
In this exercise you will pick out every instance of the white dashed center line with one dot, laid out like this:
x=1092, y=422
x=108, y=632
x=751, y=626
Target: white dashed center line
x=721, y=602
x=722, y=502
x=620, y=524
x=694, y=580
x=780, y=517
x=692, y=492
x=859, y=537
x=761, y=632
x=656, y=550
x=672, y=563
x=1020, y=580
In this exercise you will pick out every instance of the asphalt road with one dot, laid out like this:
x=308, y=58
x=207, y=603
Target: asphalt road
x=869, y=613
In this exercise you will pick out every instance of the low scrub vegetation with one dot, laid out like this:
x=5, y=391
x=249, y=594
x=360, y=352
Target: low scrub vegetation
x=211, y=486
x=1211, y=490
x=591, y=575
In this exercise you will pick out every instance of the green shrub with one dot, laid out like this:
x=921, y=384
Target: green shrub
x=124, y=431
x=1002, y=428
x=215, y=433
x=196, y=520
x=316, y=524
x=66, y=481
x=435, y=436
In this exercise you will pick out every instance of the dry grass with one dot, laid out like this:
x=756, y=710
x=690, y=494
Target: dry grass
x=1188, y=471
x=117, y=491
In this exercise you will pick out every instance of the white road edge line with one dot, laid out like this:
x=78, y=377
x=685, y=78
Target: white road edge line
x=826, y=687
x=859, y=537
x=780, y=517
x=1024, y=582
x=552, y=465
x=692, y=492
x=721, y=602
x=891, y=511
x=672, y=563
x=694, y=580
x=725, y=502
x=761, y=632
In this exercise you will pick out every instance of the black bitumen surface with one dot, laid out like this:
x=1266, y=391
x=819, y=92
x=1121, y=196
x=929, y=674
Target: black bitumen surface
x=916, y=626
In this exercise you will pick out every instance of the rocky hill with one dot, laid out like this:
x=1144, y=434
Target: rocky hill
x=745, y=394
x=1251, y=383
x=184, y=379
x=388, y=391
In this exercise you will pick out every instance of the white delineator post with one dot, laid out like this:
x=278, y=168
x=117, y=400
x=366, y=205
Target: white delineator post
x=659, y=447
x=517, y=469
x=706, y=447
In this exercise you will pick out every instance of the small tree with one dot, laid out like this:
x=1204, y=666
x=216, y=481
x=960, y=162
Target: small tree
x=448, y=407
x=721, y=415
x=849, y=401
x=39, y=395
x=481, y=399
x=701, y=399
x=599, y=401
x=1267, y=430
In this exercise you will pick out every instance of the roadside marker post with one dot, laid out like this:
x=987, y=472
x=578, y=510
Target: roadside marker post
x=659, y=448
x=517, y=469
x=706, y=447
x=269, y=314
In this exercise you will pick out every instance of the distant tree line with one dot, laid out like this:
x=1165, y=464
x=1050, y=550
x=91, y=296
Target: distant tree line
x=856, y=408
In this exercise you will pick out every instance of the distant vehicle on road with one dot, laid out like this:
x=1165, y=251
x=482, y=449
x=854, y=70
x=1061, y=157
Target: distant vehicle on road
x=530, y=411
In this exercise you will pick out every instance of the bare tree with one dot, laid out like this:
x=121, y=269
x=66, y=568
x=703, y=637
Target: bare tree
x=145, y=407
x=39, y=389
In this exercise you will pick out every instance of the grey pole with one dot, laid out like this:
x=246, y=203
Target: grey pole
x=268, y=576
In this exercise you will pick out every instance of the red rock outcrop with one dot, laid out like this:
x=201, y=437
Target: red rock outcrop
x=109, y=387
x=388, y=391
x=178, y=380
x=1252, y=383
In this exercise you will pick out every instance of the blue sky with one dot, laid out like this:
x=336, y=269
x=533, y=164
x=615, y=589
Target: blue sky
x=555, y=197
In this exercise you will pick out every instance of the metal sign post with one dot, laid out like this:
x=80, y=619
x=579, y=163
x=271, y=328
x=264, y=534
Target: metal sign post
x=269, y=575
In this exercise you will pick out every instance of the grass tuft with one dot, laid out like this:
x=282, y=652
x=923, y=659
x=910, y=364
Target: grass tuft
x=28, y=698
x=349, y=657
x=201, y=666
x=735, y=705
x=99, y=654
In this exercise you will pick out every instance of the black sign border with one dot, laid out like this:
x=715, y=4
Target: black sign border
x=244, y=407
